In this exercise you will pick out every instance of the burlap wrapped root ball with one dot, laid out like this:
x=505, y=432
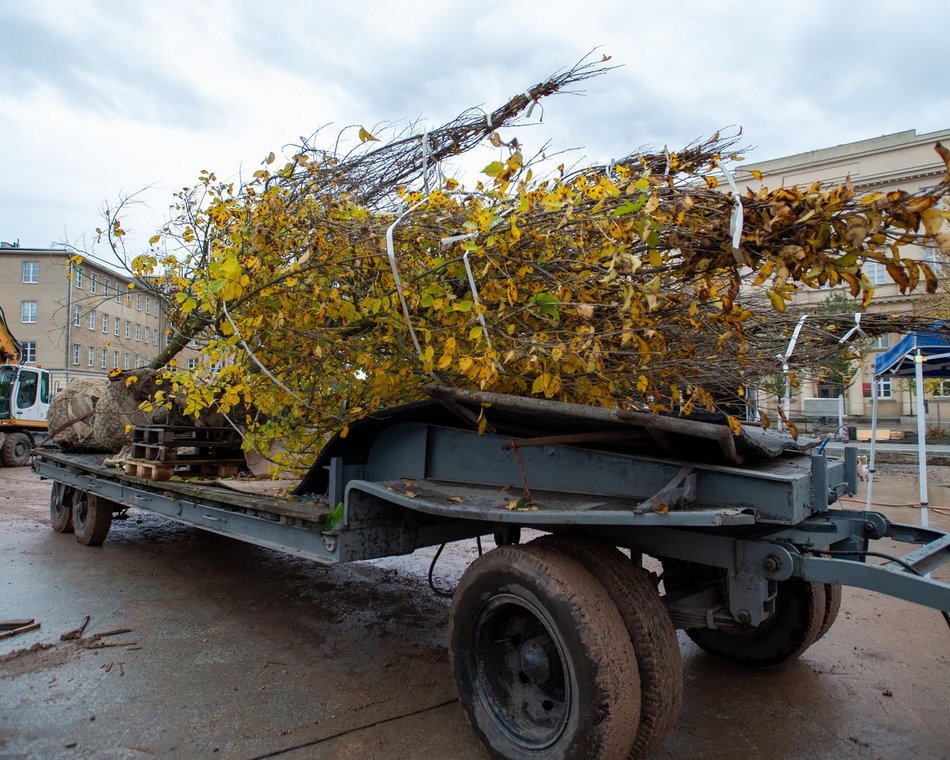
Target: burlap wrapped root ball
x=72, y=413
x=119, y=408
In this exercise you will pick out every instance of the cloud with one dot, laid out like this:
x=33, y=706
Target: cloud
x=103, y=97
x=87, y=61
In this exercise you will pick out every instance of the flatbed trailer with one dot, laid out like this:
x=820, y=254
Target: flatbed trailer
x=562, y=645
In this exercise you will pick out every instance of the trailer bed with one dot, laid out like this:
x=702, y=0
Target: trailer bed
x=752, y=550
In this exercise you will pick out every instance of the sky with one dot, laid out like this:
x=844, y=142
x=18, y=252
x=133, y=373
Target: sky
x=105, y=99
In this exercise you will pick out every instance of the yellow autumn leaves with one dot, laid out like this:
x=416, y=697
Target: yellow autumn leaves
x=607, y=287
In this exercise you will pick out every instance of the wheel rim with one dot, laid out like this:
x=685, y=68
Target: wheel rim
x=80, y=510
x=521, y=672
x=57, y=510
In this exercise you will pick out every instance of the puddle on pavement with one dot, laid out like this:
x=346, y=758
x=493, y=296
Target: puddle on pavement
x=896, y=494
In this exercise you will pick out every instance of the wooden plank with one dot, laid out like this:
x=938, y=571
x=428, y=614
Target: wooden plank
x=6, y=625
x=865, y=435
x=17, y=631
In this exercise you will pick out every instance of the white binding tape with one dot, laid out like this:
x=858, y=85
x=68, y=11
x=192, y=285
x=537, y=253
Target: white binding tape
x=736, y=218
x=390, y=249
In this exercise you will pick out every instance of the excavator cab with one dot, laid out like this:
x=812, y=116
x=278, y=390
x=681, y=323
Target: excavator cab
x=24, y=403
x=24, y=393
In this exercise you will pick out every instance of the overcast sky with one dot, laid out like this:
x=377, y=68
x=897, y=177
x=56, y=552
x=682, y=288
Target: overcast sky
x=101, y=98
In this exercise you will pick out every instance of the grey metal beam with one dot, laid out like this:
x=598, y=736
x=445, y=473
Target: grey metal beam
x=900, y=583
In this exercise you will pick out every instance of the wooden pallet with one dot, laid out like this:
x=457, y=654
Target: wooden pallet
x=166, y=444
x=209, y=468
x=160, y=452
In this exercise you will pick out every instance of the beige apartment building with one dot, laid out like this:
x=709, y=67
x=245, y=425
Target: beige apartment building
x=77, y=320
x=901, y=161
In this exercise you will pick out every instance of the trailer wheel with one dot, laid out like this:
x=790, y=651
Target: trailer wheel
x=15, y=451
x=92, y=518
x=541, y=657
x=61, y=508
x=651, y=632
x=832, y=607
x=795, y=625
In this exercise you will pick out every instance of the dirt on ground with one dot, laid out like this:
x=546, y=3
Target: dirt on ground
x=202, y=646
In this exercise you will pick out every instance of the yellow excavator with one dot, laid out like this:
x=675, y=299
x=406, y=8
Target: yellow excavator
x=24, y=401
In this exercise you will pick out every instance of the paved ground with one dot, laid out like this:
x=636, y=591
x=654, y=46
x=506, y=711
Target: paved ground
x=240, y=652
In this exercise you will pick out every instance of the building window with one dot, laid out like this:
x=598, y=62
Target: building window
x=77, y=316
x=192, y=364
x=138, y=332
x=128, y=298
x=29, y=311
x=138, y=302
x=881, y=341
x=933, y=258
x=138, y=361
x=91, y=356
x=830, y=390
x=147, y=336
x=148, y=305
x=875, y=272
x=92, y=319
x=31, y=272
x=104, y=359
x=106, y=288
x=117, y=327
x=884, y=388
x=154, y=337
x=943, y=389
x=168, y=339
x=127, y=361
x=115, y=360
x=77, y=352
x=93, y=282
x=118, y=294
x=128, y=329
x=105, y=324
x=29, y=351
x=78, y=280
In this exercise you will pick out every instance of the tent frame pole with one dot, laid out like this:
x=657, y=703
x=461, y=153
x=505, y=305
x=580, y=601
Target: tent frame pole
x=921, y=437
x=874, y=382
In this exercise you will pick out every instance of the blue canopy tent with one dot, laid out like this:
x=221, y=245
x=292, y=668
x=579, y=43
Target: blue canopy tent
x=920, y=354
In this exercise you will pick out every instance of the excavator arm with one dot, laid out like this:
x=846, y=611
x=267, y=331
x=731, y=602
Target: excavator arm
x=10, y=349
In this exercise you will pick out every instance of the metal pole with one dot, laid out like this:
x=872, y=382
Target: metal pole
x=840, y=430
x=69, y=318
x=787, y=400
x=921, y=438
x=874, y=382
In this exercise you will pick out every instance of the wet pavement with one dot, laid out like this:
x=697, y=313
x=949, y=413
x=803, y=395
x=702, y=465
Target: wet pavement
x=240, y=652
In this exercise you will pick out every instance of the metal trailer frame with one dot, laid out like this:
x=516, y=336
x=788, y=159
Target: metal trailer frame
x=423, y=484
x=747, y=532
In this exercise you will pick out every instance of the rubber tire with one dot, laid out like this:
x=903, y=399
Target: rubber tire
x=565, y=612
x=16, y=450
x=92, y=518
x=832, y=607
x=795, y=626
x=651, y=631
x=61, y=508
